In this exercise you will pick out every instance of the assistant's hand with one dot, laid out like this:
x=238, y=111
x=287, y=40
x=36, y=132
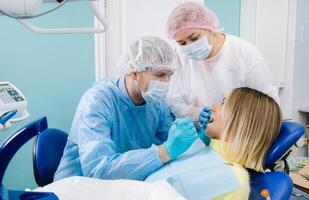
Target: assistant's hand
x=204, y=119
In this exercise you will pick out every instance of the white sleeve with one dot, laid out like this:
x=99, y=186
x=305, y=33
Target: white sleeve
x=259, y=76
x=180, y=107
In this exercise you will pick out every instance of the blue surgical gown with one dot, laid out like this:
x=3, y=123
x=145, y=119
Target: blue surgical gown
x=112, y=138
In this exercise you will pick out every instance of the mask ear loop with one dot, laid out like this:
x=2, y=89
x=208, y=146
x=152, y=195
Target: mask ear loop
x=131, y=71
x=139, y=87
x=212, y=35
x=212, y=38
x=131, y=68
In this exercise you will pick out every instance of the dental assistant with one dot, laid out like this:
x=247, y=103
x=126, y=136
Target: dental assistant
x=210, y=64
x=121, y=129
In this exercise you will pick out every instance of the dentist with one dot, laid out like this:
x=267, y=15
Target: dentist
x=123, y=129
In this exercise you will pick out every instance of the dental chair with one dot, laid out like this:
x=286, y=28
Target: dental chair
x=49, y=145
x=278, y=183
x=7, y=152
x=47, y=152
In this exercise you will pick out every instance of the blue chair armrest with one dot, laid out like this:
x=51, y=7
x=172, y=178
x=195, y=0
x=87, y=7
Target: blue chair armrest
x=17, y=140
x=7, y=152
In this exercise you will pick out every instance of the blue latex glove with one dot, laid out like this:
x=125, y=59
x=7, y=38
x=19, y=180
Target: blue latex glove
x=181, y=136
x=204, y=119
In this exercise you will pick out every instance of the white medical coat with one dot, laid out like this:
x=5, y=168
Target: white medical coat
x=197, y=84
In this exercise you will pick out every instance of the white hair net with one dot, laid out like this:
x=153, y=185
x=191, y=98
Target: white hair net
x=148, y=53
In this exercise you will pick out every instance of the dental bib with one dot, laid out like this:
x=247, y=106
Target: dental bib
x=199, y=174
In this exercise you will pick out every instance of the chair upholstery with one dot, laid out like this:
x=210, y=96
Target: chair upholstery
x=47, y=152
x=7, y=152
x=290, y=132
x=279, y=184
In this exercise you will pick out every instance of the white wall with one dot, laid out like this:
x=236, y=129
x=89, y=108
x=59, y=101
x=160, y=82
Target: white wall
x=264, y=23
x=300, y=100
x=129, y=20
x=286, y=92
x=295, y=95
x=301, y=60
x=269, y=26
x=271, y=35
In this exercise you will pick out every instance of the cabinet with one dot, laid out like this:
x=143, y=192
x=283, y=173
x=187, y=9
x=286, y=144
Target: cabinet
x=280, y=30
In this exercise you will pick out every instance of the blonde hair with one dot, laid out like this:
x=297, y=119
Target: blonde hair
x=252, y=123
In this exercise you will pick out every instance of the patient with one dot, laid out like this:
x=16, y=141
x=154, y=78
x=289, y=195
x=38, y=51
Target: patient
x=247, y=123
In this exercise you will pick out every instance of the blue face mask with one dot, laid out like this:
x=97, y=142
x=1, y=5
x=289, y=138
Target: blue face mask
x=156, y=92
x=198, y=50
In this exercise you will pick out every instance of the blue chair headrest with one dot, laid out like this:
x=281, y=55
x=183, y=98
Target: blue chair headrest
x=289, y=133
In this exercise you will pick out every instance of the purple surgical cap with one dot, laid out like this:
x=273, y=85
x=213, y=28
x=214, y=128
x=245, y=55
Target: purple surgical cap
x=191, y=15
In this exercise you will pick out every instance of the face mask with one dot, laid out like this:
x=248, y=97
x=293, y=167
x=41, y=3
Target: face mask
x=198, y=50
x=156, y=92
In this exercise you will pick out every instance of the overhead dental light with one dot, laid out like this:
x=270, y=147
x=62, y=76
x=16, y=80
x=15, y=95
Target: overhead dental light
x=21, y=10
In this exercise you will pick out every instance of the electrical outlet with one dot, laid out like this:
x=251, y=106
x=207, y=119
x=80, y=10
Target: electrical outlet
x=301, y=142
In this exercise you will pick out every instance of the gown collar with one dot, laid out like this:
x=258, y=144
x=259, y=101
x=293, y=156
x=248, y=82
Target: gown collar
x=125, y=95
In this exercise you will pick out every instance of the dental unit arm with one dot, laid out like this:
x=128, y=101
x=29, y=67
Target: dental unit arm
x=21, y=10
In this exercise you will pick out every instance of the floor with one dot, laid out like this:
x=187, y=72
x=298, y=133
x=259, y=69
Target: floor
x=299, y=195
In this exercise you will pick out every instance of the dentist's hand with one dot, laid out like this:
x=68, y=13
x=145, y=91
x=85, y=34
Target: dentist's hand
x=181, y=136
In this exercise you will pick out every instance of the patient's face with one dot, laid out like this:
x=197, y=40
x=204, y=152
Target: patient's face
x=215, y=128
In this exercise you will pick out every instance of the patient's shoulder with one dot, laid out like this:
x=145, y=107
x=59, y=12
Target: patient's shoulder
x=242, y=176
x=244, y=189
